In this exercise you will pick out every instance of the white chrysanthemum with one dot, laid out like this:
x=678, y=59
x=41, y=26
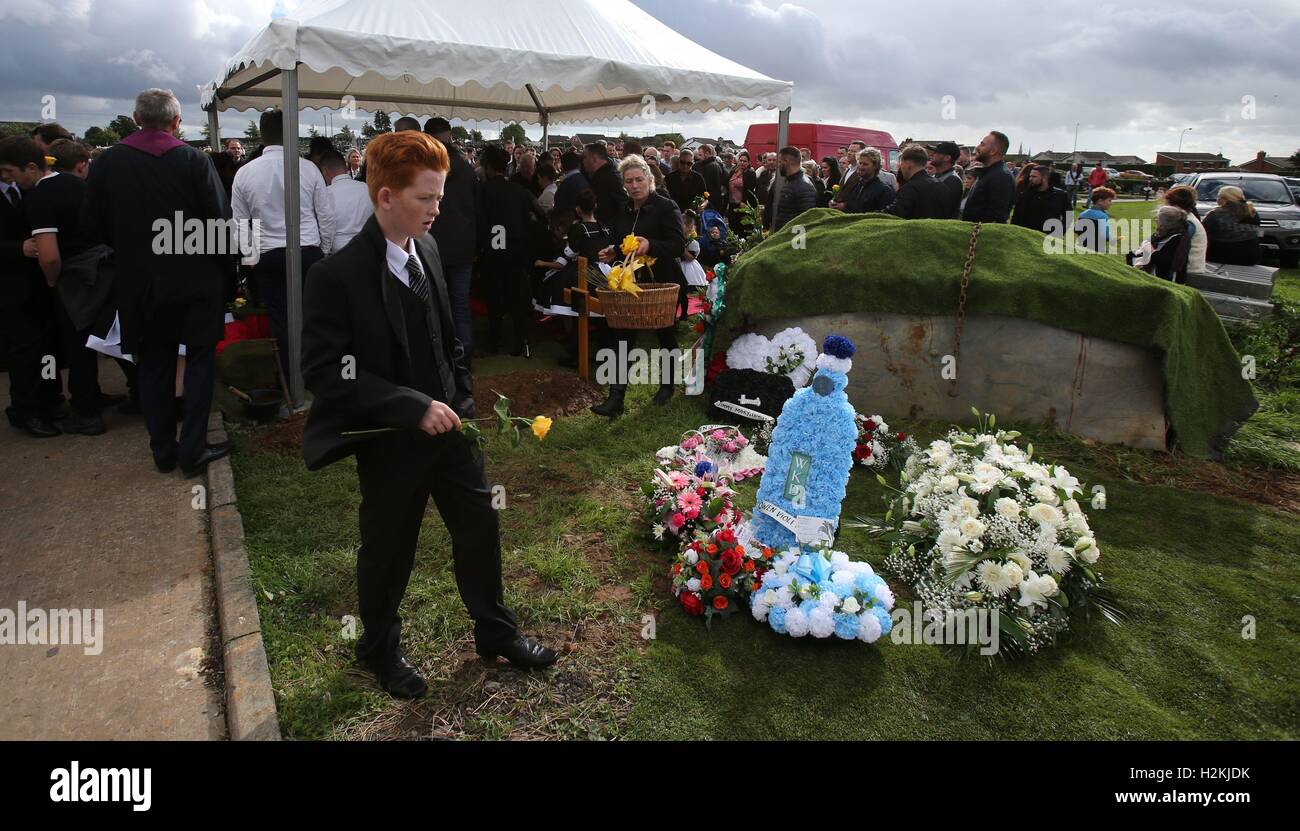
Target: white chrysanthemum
x=947, y=484
x=843, y=579
x=968, y=506
x=1059, y=559
x=949, y=540
x=1007, y=507
x=796, y=622
x=868, y=628
x=851, y=605
x=839, y=560
x=749, y=352
x=784, y=598
x=759, y=610
x=1045, y=514
x=881, y=426
x=1035, y=590
x=658, y=530
x=693, y=584
x=972, y=527
x=993, y=577
x=885, y=596
x=986, y=478
x=821, y=623
x=828, y=600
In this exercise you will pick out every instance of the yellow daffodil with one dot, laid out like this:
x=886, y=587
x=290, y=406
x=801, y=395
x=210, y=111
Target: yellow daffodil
x=706, y=194
x=541, y=426
x=629, y=245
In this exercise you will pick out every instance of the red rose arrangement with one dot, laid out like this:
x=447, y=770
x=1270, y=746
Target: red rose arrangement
x=714, y=574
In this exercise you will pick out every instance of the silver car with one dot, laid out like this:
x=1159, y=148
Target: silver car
x=1279, y=213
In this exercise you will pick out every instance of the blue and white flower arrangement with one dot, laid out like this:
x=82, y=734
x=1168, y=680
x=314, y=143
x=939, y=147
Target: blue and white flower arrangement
x=809, y=593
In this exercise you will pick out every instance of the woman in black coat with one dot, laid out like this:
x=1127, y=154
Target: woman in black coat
x=656, y=222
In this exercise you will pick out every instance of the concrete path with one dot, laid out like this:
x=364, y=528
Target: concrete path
x=87, y=523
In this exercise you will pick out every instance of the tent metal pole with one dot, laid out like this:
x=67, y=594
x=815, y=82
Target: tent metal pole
x=292, y=234
x=214, y=131
x=782, y=137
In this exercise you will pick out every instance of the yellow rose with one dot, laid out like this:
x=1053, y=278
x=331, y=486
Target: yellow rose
x=630, y=245
x=706, y=194
x=541, y=426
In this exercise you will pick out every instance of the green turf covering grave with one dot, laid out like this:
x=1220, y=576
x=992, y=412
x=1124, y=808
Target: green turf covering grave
x=879, y=264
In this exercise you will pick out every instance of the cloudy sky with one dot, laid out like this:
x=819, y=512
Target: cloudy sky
x=1132, y=75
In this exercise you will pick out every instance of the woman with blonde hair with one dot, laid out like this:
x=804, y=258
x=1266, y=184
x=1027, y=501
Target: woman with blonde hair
x=1232, y=229
x=655, y=222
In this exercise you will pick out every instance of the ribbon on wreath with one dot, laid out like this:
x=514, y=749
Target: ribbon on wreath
x=715, y=313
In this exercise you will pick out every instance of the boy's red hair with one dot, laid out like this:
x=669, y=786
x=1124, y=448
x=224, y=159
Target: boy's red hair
x=393, y=159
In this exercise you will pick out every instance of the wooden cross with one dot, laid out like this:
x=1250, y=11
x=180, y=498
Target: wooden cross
x=583, y=303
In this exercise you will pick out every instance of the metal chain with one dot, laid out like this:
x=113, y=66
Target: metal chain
x=961, y=306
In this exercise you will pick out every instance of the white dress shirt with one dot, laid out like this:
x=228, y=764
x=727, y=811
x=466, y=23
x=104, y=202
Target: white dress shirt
x=350, y=200
x=258, y=194
x=398, y=257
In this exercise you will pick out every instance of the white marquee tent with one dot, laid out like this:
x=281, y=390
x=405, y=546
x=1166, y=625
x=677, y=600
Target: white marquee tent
x=562, y=61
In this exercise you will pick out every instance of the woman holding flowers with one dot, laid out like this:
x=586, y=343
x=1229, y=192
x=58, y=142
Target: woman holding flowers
x=649, y=226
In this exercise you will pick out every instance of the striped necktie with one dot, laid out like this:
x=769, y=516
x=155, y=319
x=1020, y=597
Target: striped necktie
x=419, y=284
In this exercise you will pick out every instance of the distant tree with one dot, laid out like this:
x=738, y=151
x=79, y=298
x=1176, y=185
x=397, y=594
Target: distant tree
x=100, y=137
x=345, y=137
x=253, y=133
x=513, y=132
x=475, y=135
x=123, y=125
x=459, y=133
x=312, y=132
x=381, y=124
x=17, y=128
x=1295, y=159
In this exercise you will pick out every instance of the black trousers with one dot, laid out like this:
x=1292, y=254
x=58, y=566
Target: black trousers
x=157, y=385
x=508, y=293
x=30, y=334
x=398, y=473
x=82, y=363
x=273, y=293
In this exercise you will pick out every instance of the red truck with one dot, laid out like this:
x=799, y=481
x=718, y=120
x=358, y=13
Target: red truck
x=822, y=140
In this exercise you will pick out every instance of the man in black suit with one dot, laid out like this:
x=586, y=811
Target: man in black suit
x=455, y=233
x=920, y=196
x=166, y=296
x=605, y=181
x=380, y=351
x=27, y=303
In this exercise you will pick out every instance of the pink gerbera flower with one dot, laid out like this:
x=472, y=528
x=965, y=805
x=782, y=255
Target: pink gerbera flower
x=687, y=500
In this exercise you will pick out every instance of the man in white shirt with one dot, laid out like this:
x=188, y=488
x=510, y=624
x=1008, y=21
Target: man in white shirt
x=258, y=197
x=349, y=198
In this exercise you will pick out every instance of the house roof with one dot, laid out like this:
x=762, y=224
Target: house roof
x=1187, y=157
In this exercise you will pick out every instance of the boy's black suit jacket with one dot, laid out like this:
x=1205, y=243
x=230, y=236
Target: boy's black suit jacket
x=356, y=353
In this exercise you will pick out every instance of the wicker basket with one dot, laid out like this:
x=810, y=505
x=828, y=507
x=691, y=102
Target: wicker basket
x=654, y=308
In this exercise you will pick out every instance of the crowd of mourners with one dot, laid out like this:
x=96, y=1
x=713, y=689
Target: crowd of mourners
x=513, y=217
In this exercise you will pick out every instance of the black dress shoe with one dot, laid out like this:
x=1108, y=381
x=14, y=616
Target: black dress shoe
x=85, y=425
x=399, y=679
x=210, y=453
x=664, y=395
x=611, y=407
x=524, y=653
x=107, y=400
x=39, y=427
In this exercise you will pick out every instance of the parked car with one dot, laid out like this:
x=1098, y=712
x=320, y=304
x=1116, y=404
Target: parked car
x=1294, y=184
x=1279, y=215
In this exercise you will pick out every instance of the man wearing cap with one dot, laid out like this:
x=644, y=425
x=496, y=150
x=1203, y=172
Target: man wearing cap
x=943, y=157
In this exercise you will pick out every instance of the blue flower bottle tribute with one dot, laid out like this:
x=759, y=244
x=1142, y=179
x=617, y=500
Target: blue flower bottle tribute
x=810, y=458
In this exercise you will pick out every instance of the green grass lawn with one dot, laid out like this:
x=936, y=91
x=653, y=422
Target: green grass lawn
x=1188, y=567
x=1187, y=561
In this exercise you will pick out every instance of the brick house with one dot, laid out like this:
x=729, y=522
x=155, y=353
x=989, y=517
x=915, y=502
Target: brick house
x=1192, y=162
